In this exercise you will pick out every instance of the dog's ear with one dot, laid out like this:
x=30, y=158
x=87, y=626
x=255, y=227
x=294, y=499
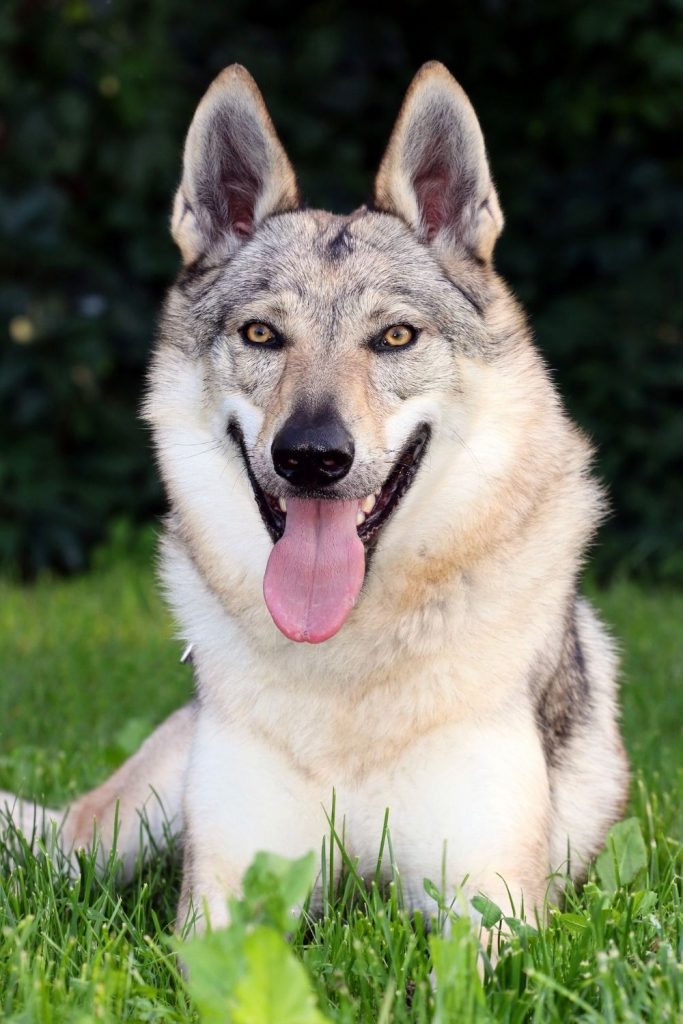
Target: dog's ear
x=235, y=171
x=434, y=173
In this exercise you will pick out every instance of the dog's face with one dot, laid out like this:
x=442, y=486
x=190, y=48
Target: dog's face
x=331, y=347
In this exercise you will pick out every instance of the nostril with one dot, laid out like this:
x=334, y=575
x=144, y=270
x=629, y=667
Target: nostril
x=312, y=452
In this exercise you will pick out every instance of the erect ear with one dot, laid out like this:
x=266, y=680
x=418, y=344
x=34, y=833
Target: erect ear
x=434, y=174
x=235, y=171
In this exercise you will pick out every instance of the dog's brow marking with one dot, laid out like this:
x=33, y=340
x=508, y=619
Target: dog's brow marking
x=341, y=245
x=479, y=309
x=442, y=273
x=194, y=272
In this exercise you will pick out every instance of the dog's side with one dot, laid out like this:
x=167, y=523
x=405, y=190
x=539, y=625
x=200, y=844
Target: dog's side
x=379, y=514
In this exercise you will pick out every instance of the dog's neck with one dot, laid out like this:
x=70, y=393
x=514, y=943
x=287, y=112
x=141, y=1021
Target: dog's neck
x=414, y=611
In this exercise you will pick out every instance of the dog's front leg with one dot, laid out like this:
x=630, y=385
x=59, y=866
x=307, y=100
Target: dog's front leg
x=244, y=795
x=472, y=815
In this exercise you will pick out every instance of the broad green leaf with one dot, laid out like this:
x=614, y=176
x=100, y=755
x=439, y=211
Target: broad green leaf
x=522, y=929
x=214, y=962
x=131, y=735
x=644, y=901
x=573, y=922
x=275, y=886
x=247, y=972
x=274, y=988
x=624, y=857
x=434, y=893
x=490, y=911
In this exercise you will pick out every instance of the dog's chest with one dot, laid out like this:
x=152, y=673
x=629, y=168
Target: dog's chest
x=333, y=732
x=250, y=789
x=438, y=739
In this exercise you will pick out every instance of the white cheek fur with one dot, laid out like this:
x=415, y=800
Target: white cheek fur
x=249, y=417
x=399, y=426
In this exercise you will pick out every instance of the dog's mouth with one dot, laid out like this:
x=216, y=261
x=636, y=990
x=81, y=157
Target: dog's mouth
x=317, y=567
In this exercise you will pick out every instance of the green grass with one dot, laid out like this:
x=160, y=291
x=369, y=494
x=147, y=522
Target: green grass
x=89, y=666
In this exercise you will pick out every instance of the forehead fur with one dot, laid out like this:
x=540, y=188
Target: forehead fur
x=334, y=269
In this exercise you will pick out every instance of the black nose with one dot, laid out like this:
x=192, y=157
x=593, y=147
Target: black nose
x=312, y=449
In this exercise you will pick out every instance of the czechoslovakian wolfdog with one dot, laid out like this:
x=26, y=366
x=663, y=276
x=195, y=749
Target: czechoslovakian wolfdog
x=379, y=510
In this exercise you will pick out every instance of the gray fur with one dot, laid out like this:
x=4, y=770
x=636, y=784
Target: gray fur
x=562, y=692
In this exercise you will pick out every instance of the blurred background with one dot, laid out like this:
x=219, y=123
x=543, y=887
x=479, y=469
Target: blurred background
x=582, y=108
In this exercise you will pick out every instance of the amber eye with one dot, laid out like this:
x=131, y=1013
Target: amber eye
x=399, y=335
x=258, y=334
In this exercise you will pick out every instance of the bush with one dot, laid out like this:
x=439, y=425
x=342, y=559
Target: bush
x=578, y=103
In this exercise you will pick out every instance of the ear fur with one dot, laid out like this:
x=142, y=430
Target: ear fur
x=434, y=173
x=235, y=170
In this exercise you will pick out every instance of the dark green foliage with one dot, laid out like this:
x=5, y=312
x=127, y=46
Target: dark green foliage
x=581, y=108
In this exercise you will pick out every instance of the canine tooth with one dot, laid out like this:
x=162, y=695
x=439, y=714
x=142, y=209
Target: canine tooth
x=360, y=518
x=377, y=492
x=283, y=504
x=368, y=504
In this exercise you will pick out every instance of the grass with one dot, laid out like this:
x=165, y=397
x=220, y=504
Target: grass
x=90, y=666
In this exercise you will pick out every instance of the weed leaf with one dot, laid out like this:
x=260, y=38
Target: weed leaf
x=214, y=962
x=275, y=988
x=625, y=855
x=275, y=887
x=490, y=911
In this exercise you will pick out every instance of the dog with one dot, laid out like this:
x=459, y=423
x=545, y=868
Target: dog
x=379, y=514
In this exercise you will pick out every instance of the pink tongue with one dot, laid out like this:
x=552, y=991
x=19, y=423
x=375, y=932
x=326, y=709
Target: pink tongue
x=316, y=569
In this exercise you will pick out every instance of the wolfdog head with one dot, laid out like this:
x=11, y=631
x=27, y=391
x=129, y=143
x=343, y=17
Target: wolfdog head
x=329, y=388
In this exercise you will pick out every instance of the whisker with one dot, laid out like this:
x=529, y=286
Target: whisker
x=216, y=446
x=452, y=432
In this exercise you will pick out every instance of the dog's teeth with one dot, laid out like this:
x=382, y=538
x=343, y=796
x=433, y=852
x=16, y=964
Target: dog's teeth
x=377, y=492
x=368, y=504
x=283, y=504
x=360, y=517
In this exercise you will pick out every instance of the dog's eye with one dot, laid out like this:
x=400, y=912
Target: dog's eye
x=259, y=334
x=397, y=336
